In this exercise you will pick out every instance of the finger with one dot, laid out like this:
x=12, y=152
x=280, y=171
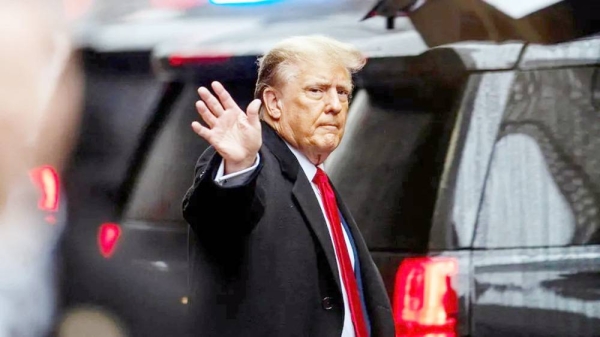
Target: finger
x=206, y=115
x=202, y=131
x=224, y=96
x=253, y=112
x=211, y=101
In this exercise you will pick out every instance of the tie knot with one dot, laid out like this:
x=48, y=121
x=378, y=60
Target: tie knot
x=320, y=177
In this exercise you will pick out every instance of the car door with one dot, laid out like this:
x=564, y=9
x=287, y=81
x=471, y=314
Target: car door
x=536, y=258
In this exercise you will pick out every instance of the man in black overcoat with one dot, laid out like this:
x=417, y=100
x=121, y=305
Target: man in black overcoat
x=277, y=252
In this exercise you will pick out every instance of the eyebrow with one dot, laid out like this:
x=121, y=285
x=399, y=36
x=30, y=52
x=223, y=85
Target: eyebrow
x=321, y=83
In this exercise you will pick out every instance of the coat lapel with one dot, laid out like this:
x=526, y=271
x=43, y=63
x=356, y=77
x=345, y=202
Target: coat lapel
x=303, y=194
x=311, y=210
x=359, y=243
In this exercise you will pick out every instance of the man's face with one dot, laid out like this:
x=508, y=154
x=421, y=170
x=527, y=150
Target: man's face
x=314, y=105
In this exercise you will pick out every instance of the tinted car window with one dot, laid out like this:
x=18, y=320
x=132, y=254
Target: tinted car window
x=169, y=168
x=543, y=184
x=389, y=164
x=114, y=116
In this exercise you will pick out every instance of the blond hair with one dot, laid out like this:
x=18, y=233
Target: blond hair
x=274, y=67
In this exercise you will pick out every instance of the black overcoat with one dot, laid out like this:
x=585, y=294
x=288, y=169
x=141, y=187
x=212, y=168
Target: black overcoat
x=261, y=259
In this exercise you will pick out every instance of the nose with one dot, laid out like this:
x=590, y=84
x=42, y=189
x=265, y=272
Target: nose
x=334, y=105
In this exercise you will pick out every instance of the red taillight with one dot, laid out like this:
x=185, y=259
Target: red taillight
x=108, y=235
x=47, y=180
x=180, y=60
x=424, y=300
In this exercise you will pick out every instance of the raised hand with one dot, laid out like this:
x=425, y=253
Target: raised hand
x=234, y=134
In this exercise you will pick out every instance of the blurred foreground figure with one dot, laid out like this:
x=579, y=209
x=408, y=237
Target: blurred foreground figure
x=278, y=253
x=40, y=91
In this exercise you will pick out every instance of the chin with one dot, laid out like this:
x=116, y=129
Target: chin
x=328, y=145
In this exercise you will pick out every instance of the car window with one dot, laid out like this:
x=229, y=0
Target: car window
x=116, y=109
x=543, y=183
x=480, y=113
x=389, y=163
x=169, y=168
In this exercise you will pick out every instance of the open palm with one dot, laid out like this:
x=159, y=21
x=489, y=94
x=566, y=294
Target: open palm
x=234, y=134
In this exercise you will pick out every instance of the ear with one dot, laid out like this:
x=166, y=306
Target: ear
x=272, y=103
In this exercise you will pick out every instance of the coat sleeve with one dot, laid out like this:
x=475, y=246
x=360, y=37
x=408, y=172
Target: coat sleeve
x=213, y=210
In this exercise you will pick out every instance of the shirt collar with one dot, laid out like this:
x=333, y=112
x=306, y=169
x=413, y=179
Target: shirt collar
x=309, y=168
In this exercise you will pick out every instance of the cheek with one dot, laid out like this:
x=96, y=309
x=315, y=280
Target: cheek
x=343, y=117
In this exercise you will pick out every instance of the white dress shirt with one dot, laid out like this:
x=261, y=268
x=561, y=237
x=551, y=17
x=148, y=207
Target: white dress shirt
x=310, y=170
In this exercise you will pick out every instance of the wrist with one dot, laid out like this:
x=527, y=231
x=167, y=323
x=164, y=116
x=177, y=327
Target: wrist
x=236, y=166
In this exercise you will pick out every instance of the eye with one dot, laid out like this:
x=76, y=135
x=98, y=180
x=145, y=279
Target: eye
x=344, y=94
x=315, y=92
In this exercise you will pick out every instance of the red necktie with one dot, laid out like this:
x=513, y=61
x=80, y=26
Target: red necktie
x=331, y=209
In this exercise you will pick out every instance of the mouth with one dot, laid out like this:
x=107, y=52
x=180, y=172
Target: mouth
x=329, y=126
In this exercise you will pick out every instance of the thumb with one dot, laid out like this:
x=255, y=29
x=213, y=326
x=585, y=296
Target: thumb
x=253, y=112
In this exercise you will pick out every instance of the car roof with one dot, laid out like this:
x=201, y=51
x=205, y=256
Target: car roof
x=370, y=36
x=138, y=25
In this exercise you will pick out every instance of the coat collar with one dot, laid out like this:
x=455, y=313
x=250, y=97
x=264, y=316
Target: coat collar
x=287, y=160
